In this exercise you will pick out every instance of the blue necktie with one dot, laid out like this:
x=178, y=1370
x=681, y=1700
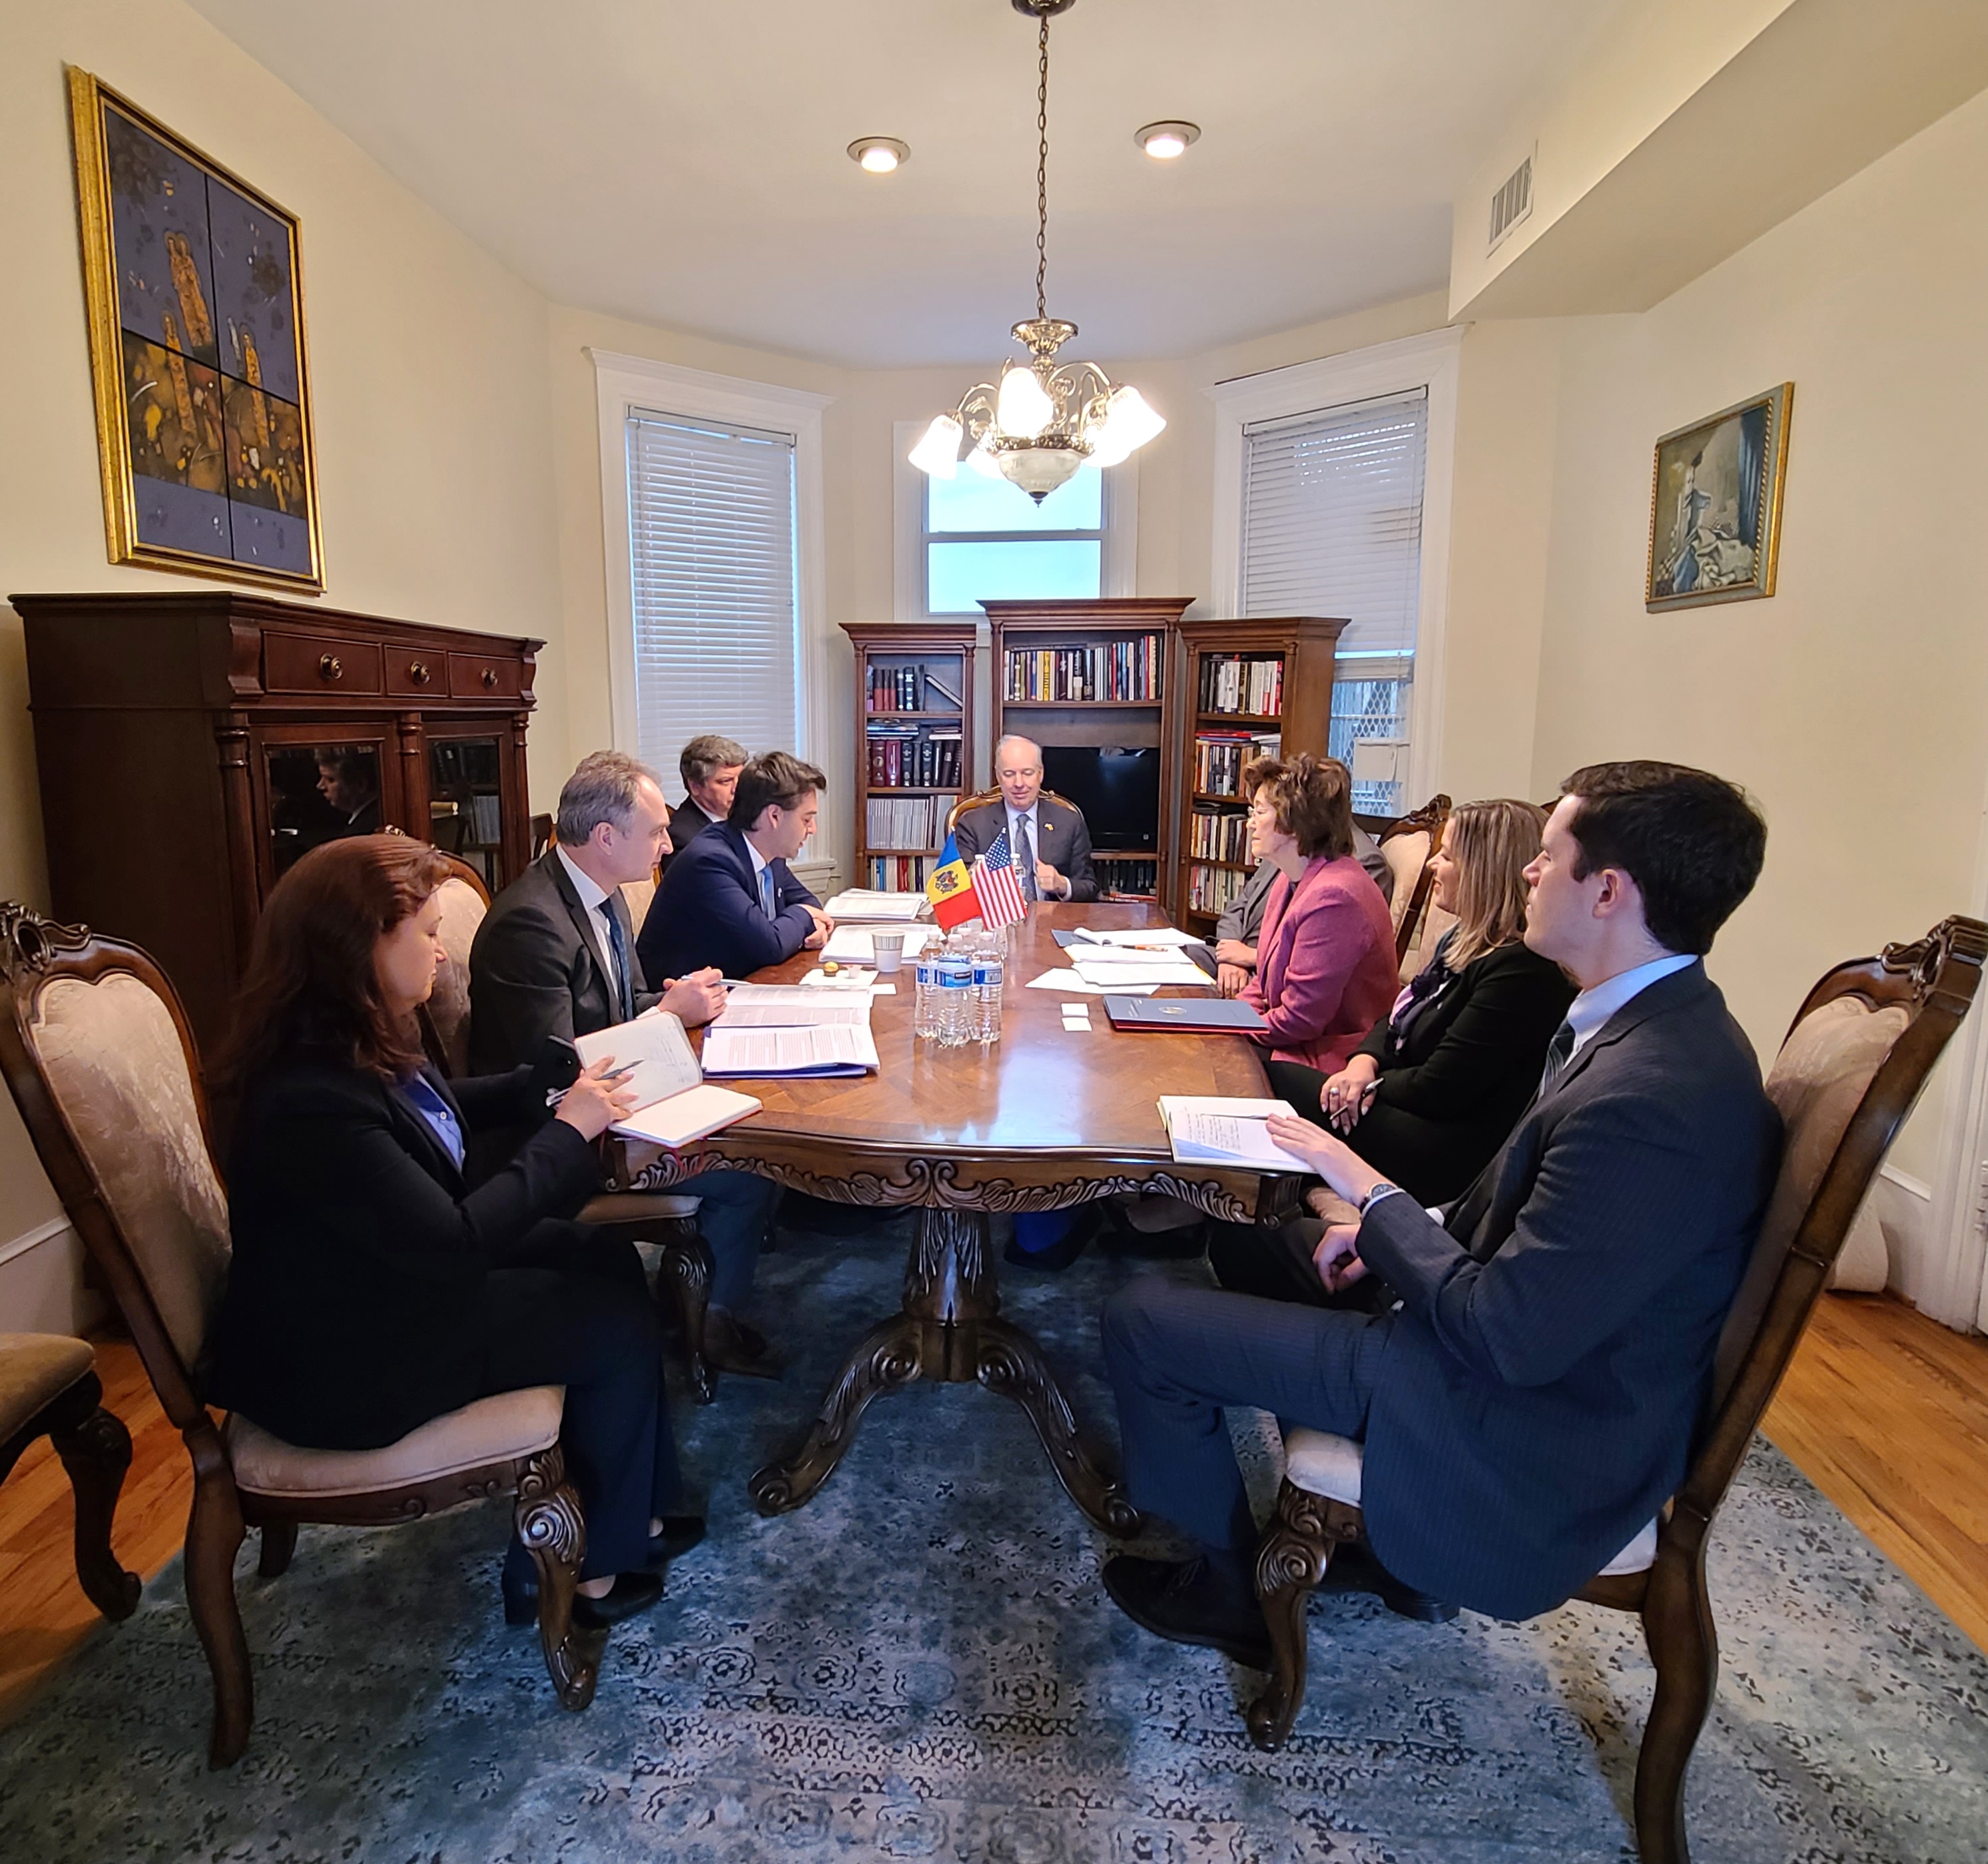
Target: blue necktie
x=1025, y=859
x=767, y=890
x=1559, y=1051
x=625, y=996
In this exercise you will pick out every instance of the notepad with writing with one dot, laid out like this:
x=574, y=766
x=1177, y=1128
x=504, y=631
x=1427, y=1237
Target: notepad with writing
x=674, y=1103
x=1209, y=1129
x=1213, y=1015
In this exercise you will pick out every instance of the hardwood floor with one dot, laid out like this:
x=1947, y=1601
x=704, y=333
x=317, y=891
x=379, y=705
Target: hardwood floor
x=1885, y=1411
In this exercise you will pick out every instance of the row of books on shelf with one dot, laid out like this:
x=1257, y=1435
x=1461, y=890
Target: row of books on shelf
x=1127, y=671
x=913, y=757
x=901, y=873
x=481, y=816
x=1230, y=682
x=905, y=821
x=1123, y=879
x=1213, y=890
x=1218, y=835
x=913, y=687
x=1221, y=757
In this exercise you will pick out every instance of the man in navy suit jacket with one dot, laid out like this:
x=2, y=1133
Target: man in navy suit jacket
x=729, y=899
x=1530, y=1406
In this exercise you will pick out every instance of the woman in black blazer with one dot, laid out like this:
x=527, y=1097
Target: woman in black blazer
x=371, y=1290
x=1441, y=1080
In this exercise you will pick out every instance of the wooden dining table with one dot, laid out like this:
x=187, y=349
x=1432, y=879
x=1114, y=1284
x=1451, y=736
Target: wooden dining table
x=1043, y=1119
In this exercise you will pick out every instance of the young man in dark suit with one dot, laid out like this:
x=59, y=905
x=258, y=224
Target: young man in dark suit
x=729, y=899
x=1048, y=842
x=556, y=957
x=1529, y=1407
x=710, y=766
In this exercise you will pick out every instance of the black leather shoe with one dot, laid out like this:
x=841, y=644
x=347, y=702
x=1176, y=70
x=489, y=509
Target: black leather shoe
x=680, y=1533
x=632, y=1592
x=731, y=1346
x=1354, y=1569
x=1185, y=1601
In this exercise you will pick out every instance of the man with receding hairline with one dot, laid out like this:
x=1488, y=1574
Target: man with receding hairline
x=1048, y=841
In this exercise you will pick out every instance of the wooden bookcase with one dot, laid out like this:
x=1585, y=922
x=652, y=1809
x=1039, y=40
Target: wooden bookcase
x=914, y=744
x=1247, y=688
x=1101, y=630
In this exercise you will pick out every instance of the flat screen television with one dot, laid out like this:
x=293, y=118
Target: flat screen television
x=1118, y=787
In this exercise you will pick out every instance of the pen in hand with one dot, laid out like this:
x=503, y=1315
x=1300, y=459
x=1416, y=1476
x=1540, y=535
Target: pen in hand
x=554, y=1095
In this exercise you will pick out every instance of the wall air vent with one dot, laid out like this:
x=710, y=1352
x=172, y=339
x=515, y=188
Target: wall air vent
x=1511, y=203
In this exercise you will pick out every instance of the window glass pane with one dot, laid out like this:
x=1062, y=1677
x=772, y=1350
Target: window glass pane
x=963, y=575
x=1368, y=708
x=970, y=501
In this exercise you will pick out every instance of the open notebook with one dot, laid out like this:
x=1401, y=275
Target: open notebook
x=1213, y=1130
x=674, y=1103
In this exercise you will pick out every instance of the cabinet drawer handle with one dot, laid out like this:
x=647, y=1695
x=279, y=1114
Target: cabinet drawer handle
x=331, y=666
x=417, y=671
x=490, y=676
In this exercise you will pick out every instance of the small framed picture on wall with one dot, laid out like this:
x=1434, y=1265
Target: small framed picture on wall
x=1716, y=505
x=193, y=285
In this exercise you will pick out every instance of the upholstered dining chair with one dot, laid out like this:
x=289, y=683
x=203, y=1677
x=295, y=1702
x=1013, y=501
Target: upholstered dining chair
x=49, y=1388
x=101, y=1062
x=1849, y=1070
x=1406, y=844
x=980, y=798
x=666, y=1220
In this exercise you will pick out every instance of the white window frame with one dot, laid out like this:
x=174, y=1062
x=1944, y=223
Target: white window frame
x=1427, y=362
x=1118, y=571
x=630, y=384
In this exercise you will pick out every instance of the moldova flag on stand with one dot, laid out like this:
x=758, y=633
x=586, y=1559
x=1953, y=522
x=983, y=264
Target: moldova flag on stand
x=951, y=889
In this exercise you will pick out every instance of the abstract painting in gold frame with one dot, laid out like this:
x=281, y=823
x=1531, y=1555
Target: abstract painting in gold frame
x=1716, y=505
x=194, y=287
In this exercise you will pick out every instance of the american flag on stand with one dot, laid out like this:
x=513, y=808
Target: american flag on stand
x=998, y=891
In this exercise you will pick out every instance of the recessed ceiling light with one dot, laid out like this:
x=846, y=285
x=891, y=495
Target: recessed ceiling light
x=879, y=154
x=1163, y=141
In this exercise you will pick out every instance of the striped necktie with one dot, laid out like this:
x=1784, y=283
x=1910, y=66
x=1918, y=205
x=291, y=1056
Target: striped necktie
x=1560, y=1052
x=623, y=987
x=1025, y=859
x=767, y=890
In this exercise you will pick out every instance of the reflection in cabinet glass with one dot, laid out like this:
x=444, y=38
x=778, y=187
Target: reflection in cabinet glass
x=466, y=802
x=319, y=793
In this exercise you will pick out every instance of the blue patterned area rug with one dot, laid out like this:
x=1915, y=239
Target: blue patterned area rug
x=920, y=1664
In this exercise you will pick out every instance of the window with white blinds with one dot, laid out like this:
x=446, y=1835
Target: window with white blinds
x=712, y=561
x=1332, y=525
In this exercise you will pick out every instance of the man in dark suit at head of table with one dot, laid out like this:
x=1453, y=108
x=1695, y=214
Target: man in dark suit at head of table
x=1048, y=842
x=1528, y=1406
x=730, y=899
x=710, y=764
x=556, y=956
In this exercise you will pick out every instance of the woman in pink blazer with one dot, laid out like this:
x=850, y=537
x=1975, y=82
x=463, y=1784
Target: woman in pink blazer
x=1326, y=971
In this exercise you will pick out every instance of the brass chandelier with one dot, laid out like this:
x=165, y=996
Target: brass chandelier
x=1039, y=420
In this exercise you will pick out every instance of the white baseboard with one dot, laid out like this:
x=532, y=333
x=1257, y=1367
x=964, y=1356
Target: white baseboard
x=1904, y=1208
x=40, y=1282
x=30, y=1239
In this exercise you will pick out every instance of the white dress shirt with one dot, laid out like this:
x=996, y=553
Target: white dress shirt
x=1591, y=1008
x=760, y=864
x=593, y=897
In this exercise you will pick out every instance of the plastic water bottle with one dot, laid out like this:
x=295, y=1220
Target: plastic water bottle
x=954, y=1015
x=924, y=1013
x=988, y=969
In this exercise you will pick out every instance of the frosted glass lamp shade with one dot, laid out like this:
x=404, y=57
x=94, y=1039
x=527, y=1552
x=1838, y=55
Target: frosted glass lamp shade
x=938, y=452
x=1024, y=408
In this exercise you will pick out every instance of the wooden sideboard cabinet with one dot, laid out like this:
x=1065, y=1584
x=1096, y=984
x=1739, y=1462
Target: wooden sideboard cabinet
x=191, y=747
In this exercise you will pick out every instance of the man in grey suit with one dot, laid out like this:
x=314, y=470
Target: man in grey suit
x=1529, y=1405
x=556, y=957
x=1048, y=841
x=709, y=765
x=1235, y=943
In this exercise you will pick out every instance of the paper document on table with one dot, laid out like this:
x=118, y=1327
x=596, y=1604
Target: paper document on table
x=790, y=1006
x=654, y=1047
x=1152, y=938
x=1211, y=1130
x=851, y=945
x=1077, y=986
x=695, y=1113
x=1154, y=968
x=820, y=1048
x=882, y=908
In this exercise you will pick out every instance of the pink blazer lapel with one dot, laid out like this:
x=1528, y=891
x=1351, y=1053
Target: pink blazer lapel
x=1281, y=915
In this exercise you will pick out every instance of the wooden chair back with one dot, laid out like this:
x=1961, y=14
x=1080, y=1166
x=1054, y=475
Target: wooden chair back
x=100, y=1060
x=543, y=835
x=444, y=1017
x=1854, y=1063
x=981, y=798
x=1408, y=841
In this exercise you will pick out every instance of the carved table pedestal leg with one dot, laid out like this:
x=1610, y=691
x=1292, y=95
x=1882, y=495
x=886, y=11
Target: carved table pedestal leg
x=949, y=1331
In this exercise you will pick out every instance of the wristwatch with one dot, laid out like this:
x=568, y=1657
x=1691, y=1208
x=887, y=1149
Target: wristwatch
x=1381, y=1190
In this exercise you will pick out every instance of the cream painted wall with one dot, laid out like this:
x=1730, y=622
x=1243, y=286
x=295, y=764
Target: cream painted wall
x=428, y=385
x=1853, y=702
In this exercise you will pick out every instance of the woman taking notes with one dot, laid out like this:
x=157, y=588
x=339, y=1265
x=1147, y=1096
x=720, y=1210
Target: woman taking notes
x=1431, y=1093
x=371, y=1290
x=1325, y=958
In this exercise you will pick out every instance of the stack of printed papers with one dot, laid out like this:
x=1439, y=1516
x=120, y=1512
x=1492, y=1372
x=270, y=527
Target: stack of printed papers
x=851, y=945
x=1116, y=965
x=1068, y=980
x=788, y=1028
x=881, y=909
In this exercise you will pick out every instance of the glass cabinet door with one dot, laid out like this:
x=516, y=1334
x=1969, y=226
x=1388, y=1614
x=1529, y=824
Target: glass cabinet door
x=322, y=791
x=465, y=803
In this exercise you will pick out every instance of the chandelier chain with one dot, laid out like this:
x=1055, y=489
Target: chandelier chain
x=1042, y=163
